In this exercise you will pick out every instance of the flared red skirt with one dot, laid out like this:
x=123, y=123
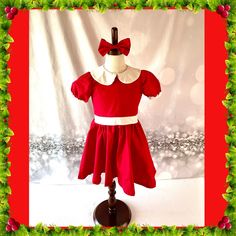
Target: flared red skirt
x=118, y=151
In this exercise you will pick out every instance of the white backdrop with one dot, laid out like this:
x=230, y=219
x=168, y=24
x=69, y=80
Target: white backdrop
x=63, y=45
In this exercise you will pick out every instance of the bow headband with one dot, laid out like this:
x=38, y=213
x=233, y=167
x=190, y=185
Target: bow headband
x=123, y=46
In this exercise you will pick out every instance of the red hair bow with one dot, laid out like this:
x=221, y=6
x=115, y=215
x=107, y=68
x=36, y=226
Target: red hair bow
x=123, y=46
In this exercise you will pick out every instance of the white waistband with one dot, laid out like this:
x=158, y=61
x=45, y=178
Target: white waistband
x=125, y=120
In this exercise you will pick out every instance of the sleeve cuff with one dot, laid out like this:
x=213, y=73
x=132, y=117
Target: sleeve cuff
x=151, y=97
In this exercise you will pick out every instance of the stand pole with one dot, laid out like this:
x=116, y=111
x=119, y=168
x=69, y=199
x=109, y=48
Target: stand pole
x=112, y=212
x=112, y=198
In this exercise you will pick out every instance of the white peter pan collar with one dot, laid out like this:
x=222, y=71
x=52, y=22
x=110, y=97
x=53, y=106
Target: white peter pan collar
x=105, y=77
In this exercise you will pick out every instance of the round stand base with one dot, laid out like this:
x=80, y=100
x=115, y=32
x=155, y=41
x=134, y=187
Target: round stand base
x=121, y=217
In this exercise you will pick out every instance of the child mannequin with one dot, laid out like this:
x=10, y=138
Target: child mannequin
x=115, y=63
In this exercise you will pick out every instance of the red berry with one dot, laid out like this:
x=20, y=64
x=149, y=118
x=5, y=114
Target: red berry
x=225, y=14
x=7, y=9
x=227, y=7
x=8, y=228
x=228, y=226
x=221, y=225
x=11, y=221
x=10, y=16
x=220, y=9
x=15, y=226
x=14, y=10
x=225, y=219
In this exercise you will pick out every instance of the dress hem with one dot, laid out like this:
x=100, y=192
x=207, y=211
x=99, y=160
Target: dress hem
x=132, y=193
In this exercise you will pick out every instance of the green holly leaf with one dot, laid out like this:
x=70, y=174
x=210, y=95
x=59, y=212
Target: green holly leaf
x=112, y=231
x=213, y=4
x=229, y=96
x=7, y=150
x=229, y=190
x=230, y=210
x=9, y=132
x=228, y=85
x=45, y=8
x=8, y=173
x=190, y=6
x=22, y=231
x=178, y=6
x=71, y=227
x=4, y=205
x=229, y=45
x=3, y=85
x=3, y=217
x=62, y=8
x=57, y=229
x=3, y=179
x=8, y=39
x=7, y=190
x=6, y=45
x=228, y=156
x=6, y=57
x=70, y=8
x=227, y=165
x=225, y=103
x=97, y=228
x=7, y=79
x=39, y=227
x=5, y=112
x=197, y=9
x=85, y=6
x=227, y=62
x=8, y=96
x=8, y=71
x=138, y=7
x=201, y=2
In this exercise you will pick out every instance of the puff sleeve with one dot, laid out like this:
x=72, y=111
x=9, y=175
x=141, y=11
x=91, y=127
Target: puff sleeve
x=151, y=85
x=82, y=87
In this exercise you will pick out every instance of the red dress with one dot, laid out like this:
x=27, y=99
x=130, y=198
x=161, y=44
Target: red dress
x=119, y=150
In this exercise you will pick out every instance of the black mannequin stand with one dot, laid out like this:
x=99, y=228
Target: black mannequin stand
x=112, y=212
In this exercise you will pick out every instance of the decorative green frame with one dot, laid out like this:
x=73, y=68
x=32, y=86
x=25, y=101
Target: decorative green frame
x=102, y=5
